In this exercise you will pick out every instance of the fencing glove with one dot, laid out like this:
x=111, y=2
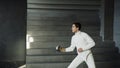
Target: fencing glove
x=60, y=49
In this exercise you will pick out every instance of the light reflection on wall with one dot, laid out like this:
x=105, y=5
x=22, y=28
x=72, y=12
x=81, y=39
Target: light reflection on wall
x=29, y=39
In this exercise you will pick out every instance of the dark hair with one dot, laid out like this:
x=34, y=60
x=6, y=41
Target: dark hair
x=77, y=24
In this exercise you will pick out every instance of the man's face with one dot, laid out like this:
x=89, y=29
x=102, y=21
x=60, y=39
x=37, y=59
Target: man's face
x=74, y=28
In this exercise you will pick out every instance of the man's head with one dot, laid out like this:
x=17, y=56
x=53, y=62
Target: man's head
x=76, y=26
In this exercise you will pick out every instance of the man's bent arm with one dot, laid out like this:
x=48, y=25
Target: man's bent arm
x=90, y=43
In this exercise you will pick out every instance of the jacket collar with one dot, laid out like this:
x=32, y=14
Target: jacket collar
x=77, y=32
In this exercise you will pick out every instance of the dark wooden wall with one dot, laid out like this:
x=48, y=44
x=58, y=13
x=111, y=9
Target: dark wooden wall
x=12, y=30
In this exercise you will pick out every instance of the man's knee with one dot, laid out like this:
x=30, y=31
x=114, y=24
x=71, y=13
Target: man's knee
x=71, y=66
x=91, y=66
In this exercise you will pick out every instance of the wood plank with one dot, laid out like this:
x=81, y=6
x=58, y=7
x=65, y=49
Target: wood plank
x=59, y=23
x=39, y=6
x=37, y=11
x=82, y=2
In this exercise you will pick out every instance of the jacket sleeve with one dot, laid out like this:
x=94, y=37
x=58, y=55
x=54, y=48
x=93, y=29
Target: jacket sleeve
x=90, y=42
x=72, y=46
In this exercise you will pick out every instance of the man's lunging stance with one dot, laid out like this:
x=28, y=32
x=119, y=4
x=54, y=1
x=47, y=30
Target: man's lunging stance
x=83, y=42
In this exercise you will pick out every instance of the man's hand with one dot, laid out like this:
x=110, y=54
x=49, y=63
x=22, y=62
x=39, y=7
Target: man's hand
x=60, y=49
x=80, y=50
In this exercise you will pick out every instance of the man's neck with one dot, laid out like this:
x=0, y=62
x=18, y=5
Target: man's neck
x=77, y=31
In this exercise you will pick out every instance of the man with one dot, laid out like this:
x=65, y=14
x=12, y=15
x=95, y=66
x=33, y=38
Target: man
x=83, y=42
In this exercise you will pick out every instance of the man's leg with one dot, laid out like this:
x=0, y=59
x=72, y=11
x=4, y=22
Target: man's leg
x=74, y=64
x=90, y=61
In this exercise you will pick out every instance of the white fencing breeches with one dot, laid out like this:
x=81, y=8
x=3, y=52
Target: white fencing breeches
x=79, y=59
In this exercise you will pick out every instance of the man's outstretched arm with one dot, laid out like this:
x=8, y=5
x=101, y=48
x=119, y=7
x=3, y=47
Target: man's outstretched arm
x=68, y=49
x=62, y=49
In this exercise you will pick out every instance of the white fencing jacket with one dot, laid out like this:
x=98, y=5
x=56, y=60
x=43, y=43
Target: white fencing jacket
x=81, y=40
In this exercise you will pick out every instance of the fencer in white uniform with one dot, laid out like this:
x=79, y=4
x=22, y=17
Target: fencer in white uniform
x=83, y=43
